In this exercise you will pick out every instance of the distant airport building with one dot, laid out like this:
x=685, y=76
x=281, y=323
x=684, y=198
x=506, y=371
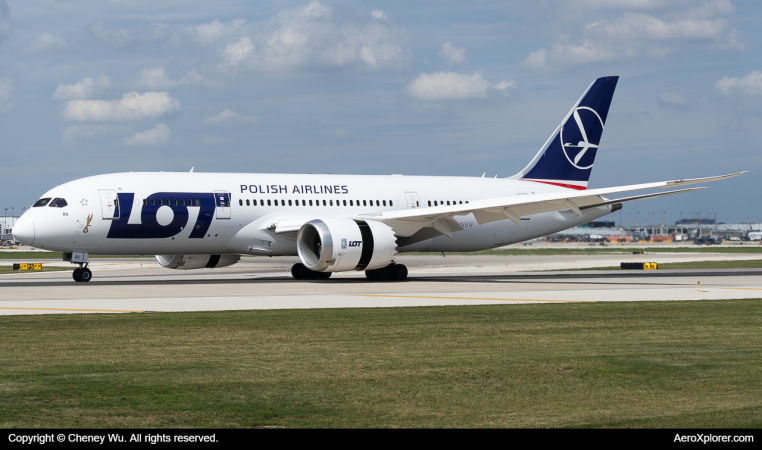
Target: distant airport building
x=6, y=227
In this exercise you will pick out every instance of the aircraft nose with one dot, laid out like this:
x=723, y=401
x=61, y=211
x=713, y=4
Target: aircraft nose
x=23, y=230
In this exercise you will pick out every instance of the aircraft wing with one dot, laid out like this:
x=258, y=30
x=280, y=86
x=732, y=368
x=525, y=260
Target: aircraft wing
x=407, y=222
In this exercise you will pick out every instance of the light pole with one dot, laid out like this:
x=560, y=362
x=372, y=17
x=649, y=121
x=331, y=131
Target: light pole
x=5, y=221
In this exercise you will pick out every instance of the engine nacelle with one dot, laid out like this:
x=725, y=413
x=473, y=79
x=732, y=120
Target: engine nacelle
x=188, y=262
x=339, y=244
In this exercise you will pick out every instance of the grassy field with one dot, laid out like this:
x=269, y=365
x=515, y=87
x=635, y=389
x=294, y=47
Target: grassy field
x=643, y=364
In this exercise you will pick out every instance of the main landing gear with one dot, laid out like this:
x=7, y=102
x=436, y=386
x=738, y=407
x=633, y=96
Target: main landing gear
x=83, y=274
x=395, y=272
x=299, y=272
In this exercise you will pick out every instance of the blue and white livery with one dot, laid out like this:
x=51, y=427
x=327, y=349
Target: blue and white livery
x=334, y=223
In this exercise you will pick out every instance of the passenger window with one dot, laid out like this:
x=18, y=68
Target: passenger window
x=378, y=203
x=324, y=203
x=145, y=202
x=153, y=202
x=310, y=202
x=174, y=201
x=345, y=203
x=448, y=202
x=429, y=202
x=435, y=203
x=289, y=203
x=116, y=203
x=304, y=202
x=384, y=202
x=182, y=202
x=198, y=203
x=350, y=203
x=363, y=203
x=58, y=203
x=268, y=202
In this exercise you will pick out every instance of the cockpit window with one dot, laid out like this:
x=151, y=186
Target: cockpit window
x=41, y=202
x=58, y=203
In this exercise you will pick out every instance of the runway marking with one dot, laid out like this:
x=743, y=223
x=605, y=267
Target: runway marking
x=477, y=298
x=71, y=309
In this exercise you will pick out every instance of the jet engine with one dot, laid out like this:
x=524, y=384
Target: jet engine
x=339, y=244
x=188, y=262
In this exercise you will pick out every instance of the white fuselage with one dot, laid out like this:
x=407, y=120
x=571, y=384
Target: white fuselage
x=87, y=223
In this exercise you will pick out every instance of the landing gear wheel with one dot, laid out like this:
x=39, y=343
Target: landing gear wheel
x=75, y=274
x=85, y=275
x=298, y=271
x=323, y=275
x=399, y=272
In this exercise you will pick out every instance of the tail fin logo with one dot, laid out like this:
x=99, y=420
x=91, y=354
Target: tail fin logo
x=586, y=138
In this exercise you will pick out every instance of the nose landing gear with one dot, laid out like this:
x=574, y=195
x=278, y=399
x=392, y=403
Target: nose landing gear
x=83, y=274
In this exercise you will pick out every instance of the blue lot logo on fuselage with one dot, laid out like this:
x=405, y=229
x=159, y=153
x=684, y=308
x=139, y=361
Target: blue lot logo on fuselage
x=150, y=228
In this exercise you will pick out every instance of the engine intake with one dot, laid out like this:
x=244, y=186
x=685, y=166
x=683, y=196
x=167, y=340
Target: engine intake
x=188, y=262
x=340, y=244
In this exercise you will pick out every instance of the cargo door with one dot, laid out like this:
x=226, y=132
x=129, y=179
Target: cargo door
x=109, y=204
x=412, y=200
x=222, y=204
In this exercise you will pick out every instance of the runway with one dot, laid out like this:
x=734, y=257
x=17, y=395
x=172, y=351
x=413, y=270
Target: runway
x=140, y=285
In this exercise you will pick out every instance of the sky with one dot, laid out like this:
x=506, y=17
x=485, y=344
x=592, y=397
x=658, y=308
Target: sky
x=355, y=87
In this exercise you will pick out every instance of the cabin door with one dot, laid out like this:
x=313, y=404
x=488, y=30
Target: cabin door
x=222, y=204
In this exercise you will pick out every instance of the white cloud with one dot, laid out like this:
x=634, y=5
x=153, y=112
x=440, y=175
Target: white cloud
x=642, y=35
x=6, y=88
x=378, y=14
x=228, y=115
x=670, y=98
x=158, y=135
x=80, y=90
x=235, y=53
x=453, y=86
x=101, y=32
x=157, y=78
x=132, y=106
x=313, y=36
x=210, y=32
x=452, y=54
x=749, y=84
x=46, y=43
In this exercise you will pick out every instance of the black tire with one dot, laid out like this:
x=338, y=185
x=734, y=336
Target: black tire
x=324, y=275
x=298, y=271
x=85, y=275
x=399, y=272
x=75, y=275
x=384, y=273
x=370, y=274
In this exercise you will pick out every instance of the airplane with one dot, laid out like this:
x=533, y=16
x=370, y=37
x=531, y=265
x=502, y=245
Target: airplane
x=333, y=223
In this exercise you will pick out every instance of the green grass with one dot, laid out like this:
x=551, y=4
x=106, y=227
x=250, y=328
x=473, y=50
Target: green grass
x=746, y=264
x=694, y=364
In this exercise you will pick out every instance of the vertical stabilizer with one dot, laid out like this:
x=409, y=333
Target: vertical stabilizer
x=568, y=155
